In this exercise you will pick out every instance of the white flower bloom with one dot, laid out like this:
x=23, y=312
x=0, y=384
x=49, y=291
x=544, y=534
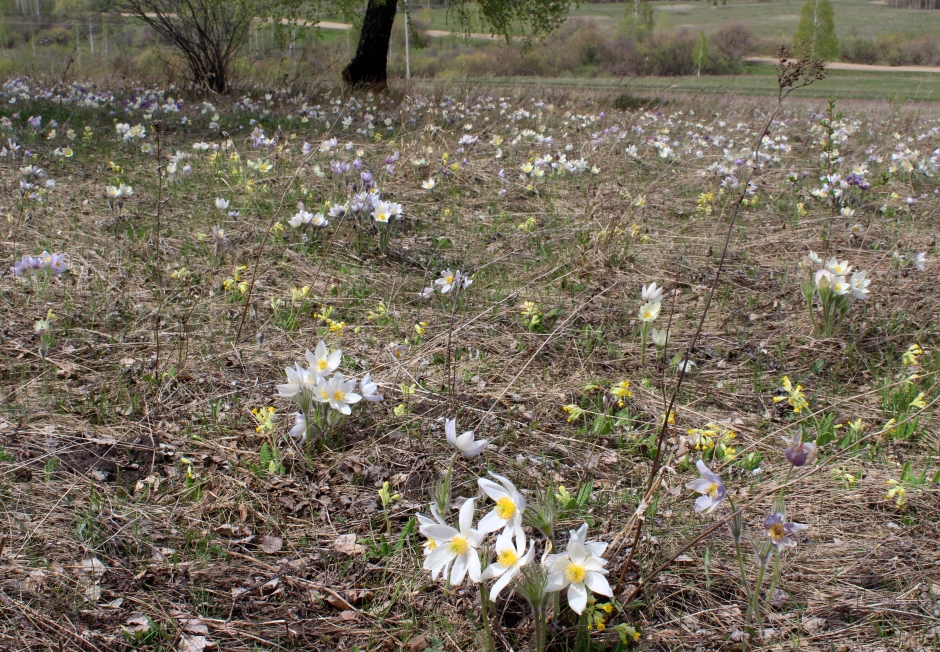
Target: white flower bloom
x=810, y=261
x=651, y=293
x=455, y=546
x=299, y=432
x=464, y=443
x=510, y=558
x=322, y=361
x=429, y=184
x=919, y=260
x=221, y=204
x=650, y=311
x=432, y=544
x=446, y=281
x=338, y=392
x=596, y=548
x=383, y=212
x=298, y=380
x=509, y=508
x=841, y=286
x=838, y=268
x=579, y=571
x=824, y=279
x=659, y=336
x=859, y=285
x=369, y=389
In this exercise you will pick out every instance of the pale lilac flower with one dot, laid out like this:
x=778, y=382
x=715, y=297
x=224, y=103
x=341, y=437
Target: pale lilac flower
x=710, y=486
x=369, y=389
x=797, y=452
x=779, y=531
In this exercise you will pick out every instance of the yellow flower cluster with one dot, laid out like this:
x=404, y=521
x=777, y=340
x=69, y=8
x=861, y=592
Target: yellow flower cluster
x=794, y=397
x=265, y=419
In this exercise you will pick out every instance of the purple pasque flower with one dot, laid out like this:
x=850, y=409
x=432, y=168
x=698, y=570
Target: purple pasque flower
x=779, y=531
x=797, y=452
x=710, y=486
x=55, y=262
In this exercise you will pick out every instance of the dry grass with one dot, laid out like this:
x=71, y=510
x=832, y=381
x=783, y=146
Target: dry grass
x=146, y=369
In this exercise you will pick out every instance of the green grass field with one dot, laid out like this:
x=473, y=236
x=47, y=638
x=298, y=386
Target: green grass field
x=758, y=80
x=776, y=19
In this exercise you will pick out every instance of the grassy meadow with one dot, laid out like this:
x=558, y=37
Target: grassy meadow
x=235, y=331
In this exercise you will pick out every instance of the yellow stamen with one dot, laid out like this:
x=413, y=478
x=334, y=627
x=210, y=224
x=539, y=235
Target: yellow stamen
x=777, y=532
x=507, y=557
x=505, y=508
x=459, y=545
x=575, y=573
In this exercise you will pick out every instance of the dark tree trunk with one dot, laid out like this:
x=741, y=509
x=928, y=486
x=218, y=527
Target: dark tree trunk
x=368, y=68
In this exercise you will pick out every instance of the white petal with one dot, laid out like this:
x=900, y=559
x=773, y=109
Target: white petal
x=499, y=585
x=598, y=583
x=465, y=440
x=490, y=523
x=438, y=558
x=510, y=487
x=459, y=571
x=492, y=489
x=556, y=582
x=473, y=566
x=476, y=449
x=438, y=532
x=577, y=598
x=450, y=429
x=466, y=515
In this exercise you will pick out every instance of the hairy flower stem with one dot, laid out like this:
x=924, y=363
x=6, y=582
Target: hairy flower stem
x=755, y=597
x=538, y=636
x=737, y=530
x=488, y=644
x=644, y=333
x=775, y=578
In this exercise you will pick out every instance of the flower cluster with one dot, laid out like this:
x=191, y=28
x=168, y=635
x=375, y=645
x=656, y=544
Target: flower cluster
x=713, y=441
x=44, y=263
x=324, y=395
x=448, y=281
x=834, y=287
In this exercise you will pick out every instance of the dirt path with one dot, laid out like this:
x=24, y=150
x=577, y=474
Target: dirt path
x=839, y=65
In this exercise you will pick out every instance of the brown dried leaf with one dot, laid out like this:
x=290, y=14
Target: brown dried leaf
x=346, y=544
x=271, y=544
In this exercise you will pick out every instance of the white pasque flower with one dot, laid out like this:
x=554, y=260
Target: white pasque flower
x=464, y=443
x=298, y=380
x=221, y=203
x=651, y=293
x=509, y=508
x=650, y=311
x=383, y=212
x=596, y=548
x=299, y=432
x=323, y=361
x=447, y=280
x=811, y=260
x=455, y=546
x=919, y=260
x=659, y=336
x=338, y=392
x=369, y=390
x=580, y=571
x=429, y=184
x=824, y=279
x=431, y=545
x=859, y=285
x=841, y=286
x=510, y=558
x=837, y=267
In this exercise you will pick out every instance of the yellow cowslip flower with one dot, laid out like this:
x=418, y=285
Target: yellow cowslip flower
x=297, y=295
x=243, y=287
x=421, y=327
x=574, y=412
x=400, y=410
x=335, y=326
x=528, y=226
x=910, y=356
x=182, y=272
x=379, y=311
x=278, y=228
x=640, y=201
x=801, y=210
x=918, y=402
x=264, y=418
x=671, y=420
x=621, y=390
x=228, y=284
x=897, y=494
x=704, y=203
x=794, y=397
